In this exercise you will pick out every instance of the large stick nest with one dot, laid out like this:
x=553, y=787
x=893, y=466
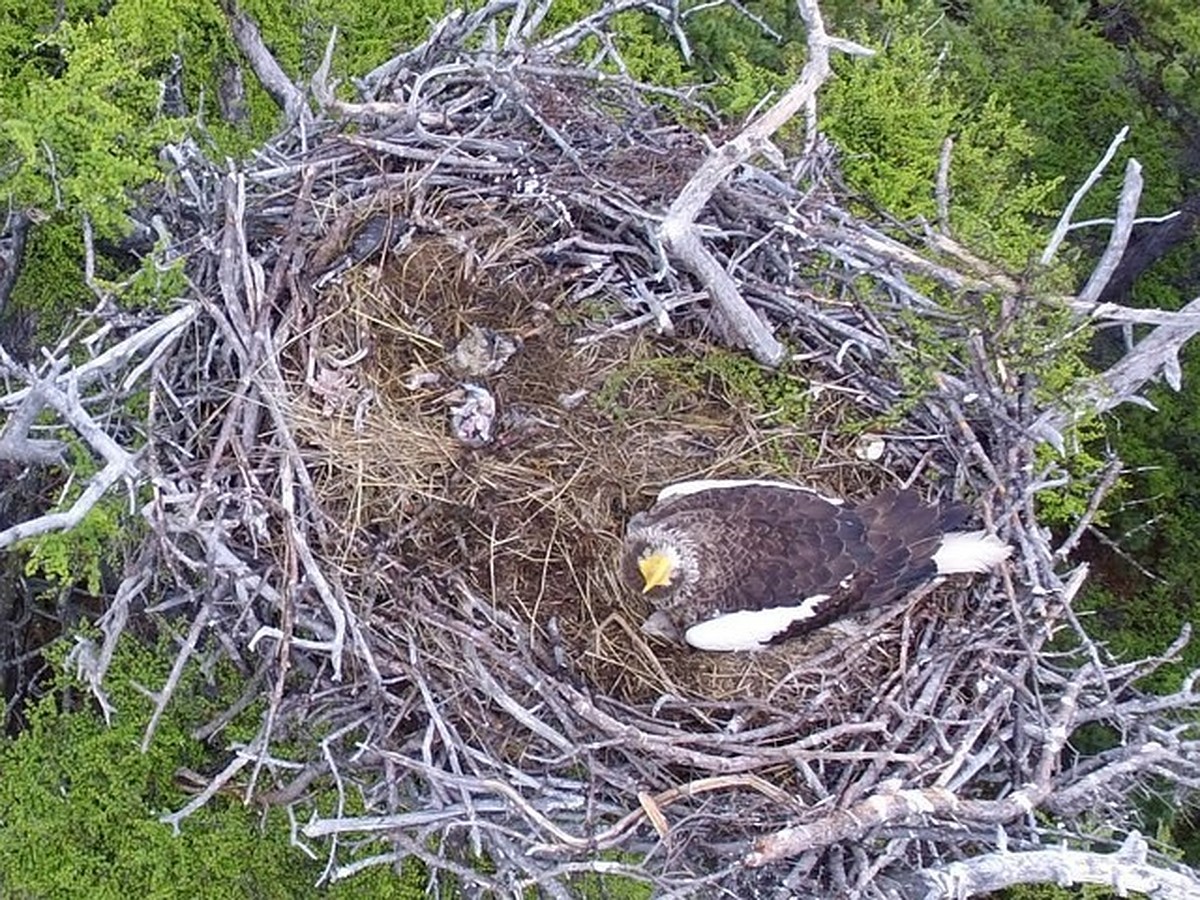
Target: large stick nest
x=426, y=590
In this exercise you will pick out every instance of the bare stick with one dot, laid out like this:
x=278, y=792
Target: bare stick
x=942, y=185
x=1131, y=193
x=158, y=336
x=163, y=696
x=15, y=443
x=1064, y=221
x=270, y=74
x=218, y=781
x=120, y=464
x=1126, y=869
x=679, y=232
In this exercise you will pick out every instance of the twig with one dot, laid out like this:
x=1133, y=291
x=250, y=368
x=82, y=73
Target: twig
x=678, y=231
x=1064, y=221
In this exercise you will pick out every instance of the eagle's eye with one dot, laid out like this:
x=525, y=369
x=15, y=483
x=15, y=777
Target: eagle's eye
x=657, y=568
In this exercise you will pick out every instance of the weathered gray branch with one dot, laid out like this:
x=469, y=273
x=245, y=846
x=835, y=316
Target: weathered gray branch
x=1131, y=193
x=1125, y=870
x=120, y=464
x=1154, y=357
x=1064, y=221
x=157, y=338
x=270, y=74
x=679, y=232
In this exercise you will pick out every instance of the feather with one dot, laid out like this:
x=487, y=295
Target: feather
x=681, y=488
x=736, y=564
x=969, y=551
x=751, y=629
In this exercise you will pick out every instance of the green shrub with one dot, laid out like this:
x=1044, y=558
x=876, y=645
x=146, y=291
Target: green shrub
x=890, y=116
x=79, y=804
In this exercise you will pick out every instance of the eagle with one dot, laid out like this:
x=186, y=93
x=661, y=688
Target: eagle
x=741, y=564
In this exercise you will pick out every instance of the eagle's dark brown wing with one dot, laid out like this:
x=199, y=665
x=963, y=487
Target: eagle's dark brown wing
x=767, y=547
x=761, y=546
x=904, y=533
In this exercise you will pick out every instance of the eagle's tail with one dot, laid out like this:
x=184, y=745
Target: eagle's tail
x=969, y=551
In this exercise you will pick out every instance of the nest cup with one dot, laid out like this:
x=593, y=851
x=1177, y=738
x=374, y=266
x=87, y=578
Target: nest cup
x=584, y=435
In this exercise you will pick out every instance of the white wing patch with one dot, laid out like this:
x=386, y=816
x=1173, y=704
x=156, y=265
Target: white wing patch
x=683, y=488
x=750, y=629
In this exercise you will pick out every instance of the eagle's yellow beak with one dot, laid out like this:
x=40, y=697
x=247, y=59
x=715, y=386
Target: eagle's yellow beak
x=656, y=570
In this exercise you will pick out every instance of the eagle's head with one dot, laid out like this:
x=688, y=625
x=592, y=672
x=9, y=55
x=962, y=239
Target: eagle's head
x=662, y=567
x=654, y=569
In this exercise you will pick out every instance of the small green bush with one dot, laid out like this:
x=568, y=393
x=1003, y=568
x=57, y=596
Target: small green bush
x=890, y=116
x=80, y=806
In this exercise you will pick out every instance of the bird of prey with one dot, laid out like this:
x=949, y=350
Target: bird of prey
x=744, y=564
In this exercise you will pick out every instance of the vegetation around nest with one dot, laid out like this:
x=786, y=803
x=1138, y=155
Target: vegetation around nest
x=438, y=344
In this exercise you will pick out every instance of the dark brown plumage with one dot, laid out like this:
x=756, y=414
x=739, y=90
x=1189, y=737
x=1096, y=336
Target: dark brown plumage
x=787, y=558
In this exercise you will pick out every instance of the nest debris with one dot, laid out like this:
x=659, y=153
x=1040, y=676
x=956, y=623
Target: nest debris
x=445, y=611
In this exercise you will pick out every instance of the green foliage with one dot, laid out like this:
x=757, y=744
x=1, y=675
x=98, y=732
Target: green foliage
x=925, y=352
x=1054, y=892
x=369, y=33
x=648, y=51
x=997, y=205
x=82, y=140
x=80, y=125
x=79, y=805
x=1053, y=351
x=1161, y=449
x=727, y=47
x=743, y=85
x=771, y=396
x=892, y=114
x=1160, y=528
x=1142, y=623
x=1070, y=85
x=1081, y=468
x=1166, y=38
x=598, y=886
x=774, y=397
x=51, y=282
x=155, y=287
x=81, y=555
x=151, y=285
x=1172, y=824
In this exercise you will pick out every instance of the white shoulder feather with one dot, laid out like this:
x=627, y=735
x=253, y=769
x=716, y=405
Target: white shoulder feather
x=970, y=551
x=750, y=629
x=684, y=488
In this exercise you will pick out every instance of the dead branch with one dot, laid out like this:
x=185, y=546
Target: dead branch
x=163, y=697
x=1124, y=870
x=270, y=74
x=1154, y=357
x=120, y=464
x=1131, y=193
x=679, y=232
x=1064, y=221
x=15, y=443
x=159, y=336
